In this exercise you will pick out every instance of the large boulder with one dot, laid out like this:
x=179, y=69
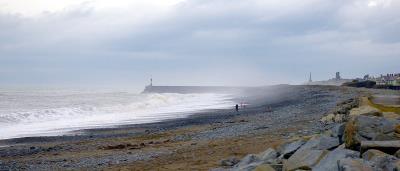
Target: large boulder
x=371, y=154
x=354, y=165
x=305, y=159
x=330, y=161
x=268, y=156
x=380, y=159
x=288, y=149
x=390, y=147
x=363, y=128
x=320, y=142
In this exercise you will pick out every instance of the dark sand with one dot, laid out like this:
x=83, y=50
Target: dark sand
x=198, y=142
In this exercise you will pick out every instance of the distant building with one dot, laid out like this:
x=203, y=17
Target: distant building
x=335, y=81
x=387, y=80
x=338, y=76
x=397, y=83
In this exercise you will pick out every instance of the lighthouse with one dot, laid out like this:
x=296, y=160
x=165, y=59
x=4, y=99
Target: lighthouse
x=151, y=81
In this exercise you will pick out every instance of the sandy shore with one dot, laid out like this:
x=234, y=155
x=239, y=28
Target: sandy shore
x=195, y=143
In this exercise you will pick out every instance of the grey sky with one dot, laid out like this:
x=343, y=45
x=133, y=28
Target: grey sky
x=206, y=42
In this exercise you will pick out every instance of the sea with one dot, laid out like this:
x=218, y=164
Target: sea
x=30, y=112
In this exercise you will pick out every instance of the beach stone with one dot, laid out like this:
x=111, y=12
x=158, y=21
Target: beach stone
x=264, y=167
x=249, y=159
x=389, y=147
x=320, y=142
x=354, y=165
x=363, y=128
x=380, y=159
x=305, y=159
x=230, y=162
x=329, y=162
x=289, y=149
x=268, y=155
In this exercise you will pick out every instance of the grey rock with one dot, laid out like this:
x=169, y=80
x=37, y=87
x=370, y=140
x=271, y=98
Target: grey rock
x=249, y=159
x=354, y=165
x=338, y=131
x=289, y=149
x=268, y=155
x=376, y=124
x=372, y=154
x=329, y=162
x=390, y=147
x=305, y=159
x=380, y=159
x=369, y=128
x=321, y=142
x=383, y=137
x=230, y=162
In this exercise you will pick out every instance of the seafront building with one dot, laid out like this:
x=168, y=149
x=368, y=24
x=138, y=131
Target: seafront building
x=387, y=80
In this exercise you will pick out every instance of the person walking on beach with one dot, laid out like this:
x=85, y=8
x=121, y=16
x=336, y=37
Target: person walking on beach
x=237, y=108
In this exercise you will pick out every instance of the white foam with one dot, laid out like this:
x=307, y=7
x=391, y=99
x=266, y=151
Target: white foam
x=67, y=112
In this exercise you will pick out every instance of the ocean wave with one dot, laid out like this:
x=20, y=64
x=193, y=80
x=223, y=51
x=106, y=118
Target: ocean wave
x=110, y=109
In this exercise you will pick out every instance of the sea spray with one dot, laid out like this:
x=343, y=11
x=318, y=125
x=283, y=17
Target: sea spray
x=55, y=113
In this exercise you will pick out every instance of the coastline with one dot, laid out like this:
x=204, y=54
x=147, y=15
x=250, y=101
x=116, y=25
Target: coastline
x=169, y=144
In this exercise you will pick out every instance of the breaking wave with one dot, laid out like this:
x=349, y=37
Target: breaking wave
x=24, y=114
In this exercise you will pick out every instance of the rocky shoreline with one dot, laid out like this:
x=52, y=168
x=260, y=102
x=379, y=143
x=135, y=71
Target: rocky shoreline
x=204, y=141
x=361, y=138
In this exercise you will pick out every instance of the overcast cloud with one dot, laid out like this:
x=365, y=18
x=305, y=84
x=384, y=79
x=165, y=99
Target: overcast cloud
x=206, y=42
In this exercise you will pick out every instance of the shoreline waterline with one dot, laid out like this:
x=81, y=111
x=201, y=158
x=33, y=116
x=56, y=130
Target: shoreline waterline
x=42, y=114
